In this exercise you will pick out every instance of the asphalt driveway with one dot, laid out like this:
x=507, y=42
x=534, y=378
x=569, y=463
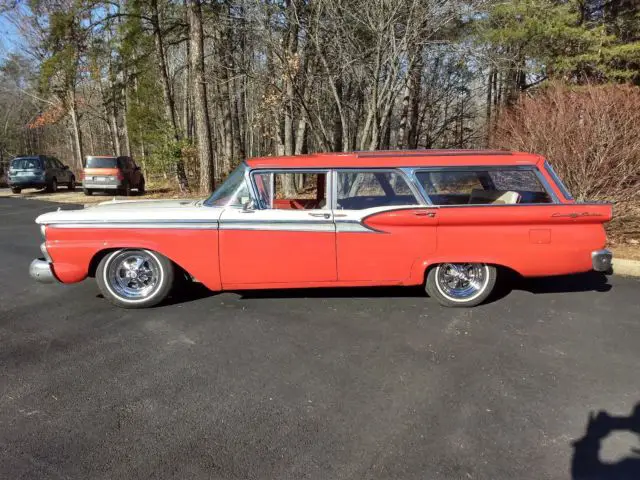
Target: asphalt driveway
x=319, y=384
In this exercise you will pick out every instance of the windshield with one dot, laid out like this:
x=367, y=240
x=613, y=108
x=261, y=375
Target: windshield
x=26, y=163
x=101, y=162
x=233, y=192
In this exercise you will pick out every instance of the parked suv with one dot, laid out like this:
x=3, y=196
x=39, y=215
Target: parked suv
x=39, y=171
x=112, y=174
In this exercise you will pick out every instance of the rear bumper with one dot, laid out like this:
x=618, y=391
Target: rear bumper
x=41, y=271
x=602, y=260
x=100, y=185
x=27, y=183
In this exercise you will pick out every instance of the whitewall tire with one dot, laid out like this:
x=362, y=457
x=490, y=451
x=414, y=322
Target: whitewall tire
x=461, y=284
x=135, y=278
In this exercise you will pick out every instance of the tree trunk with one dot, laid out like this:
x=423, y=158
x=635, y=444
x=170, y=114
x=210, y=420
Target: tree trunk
x=199, y=88
x=169, y=105
x=77, y=134
x=415, y=91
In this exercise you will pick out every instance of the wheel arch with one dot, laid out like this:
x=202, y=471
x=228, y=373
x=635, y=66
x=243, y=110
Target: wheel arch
x=99, y=255
x=501, y=268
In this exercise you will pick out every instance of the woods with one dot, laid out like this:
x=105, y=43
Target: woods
x=192, y=87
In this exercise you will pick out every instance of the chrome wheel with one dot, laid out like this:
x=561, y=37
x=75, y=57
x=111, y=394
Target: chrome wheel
x=461, y=282
x=133, y=275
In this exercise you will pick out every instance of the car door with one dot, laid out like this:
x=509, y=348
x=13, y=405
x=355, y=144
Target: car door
x=285, y=239
x=63, y=174
x=384, y=229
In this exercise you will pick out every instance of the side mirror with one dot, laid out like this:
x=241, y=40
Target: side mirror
x=249, y=206
x=136, y=168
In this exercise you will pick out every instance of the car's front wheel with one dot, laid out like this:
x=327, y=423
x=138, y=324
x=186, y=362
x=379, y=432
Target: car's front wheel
x=135, y=278
x=72, y=183
x=461, y=284
x=16, y=189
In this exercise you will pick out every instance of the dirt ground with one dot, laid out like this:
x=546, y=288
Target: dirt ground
x=63, y=195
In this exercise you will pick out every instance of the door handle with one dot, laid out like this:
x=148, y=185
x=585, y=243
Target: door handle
x=321, y=215
x=424, y=214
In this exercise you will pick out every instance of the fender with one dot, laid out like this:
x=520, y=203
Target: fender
x=196, y=251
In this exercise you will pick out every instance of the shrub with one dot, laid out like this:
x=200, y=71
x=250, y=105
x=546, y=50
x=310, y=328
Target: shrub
x=591, y=135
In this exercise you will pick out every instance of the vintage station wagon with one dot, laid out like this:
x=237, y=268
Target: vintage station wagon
x=449, y=220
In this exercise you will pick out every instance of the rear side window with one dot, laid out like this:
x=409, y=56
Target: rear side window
x=101, y=162
x=493, y=186
x=559, y=183
x=26, y=163
x=358, y=190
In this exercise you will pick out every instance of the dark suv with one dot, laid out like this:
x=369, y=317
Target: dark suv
x=112, y=174
x=39, y=171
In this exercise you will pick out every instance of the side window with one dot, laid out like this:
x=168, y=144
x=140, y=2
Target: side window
x=122, y=163
x=494, y=186
x=292, y=190
x=48, y=163
x=56, y=163
x=559, y=182
x=358, y=190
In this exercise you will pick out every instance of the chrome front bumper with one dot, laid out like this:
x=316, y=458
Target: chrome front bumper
x=41, y=271
x=602, y=260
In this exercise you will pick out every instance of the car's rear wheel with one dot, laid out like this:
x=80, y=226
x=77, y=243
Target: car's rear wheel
x=53, y=186
x=88, y=192
x=125, y=190
x=135, y=278
x=141, y=188
x=461, y=284
x=16, y=189
x=72, y=183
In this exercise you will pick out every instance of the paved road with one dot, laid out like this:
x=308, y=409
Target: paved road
x=329, y=384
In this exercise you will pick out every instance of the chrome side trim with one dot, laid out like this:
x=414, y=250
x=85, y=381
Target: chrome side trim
x=353, y=226
x=139, y=224
x=275, y=225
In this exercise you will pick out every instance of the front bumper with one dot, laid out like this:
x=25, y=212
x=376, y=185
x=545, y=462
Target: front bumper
x=602, y=260
x=41, y=271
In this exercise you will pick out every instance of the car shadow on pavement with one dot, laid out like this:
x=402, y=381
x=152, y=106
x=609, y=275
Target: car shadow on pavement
x=581, y=282
x=586, y=463
x=586, y=282
x=336, y=292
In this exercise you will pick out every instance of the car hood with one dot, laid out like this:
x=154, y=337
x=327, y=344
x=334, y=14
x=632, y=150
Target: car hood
x=136, y=211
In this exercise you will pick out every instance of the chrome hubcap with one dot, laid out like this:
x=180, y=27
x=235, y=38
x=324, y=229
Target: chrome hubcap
x=134, y=274
x=462, y=281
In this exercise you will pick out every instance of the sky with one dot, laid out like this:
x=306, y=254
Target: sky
x=10, y=39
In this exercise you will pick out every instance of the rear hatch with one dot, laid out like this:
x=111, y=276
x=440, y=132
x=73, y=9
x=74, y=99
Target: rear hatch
x=101, y=170
x=26, y=168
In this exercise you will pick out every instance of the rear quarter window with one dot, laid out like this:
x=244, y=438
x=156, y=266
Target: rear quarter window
x=478, y=186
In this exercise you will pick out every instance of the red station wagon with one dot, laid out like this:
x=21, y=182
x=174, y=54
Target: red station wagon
x=448, y=220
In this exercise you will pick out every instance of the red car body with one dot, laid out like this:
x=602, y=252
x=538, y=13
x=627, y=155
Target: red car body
x=288, y=245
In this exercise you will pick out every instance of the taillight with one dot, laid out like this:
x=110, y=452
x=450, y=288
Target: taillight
x=82, y=175
x=120, y=176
